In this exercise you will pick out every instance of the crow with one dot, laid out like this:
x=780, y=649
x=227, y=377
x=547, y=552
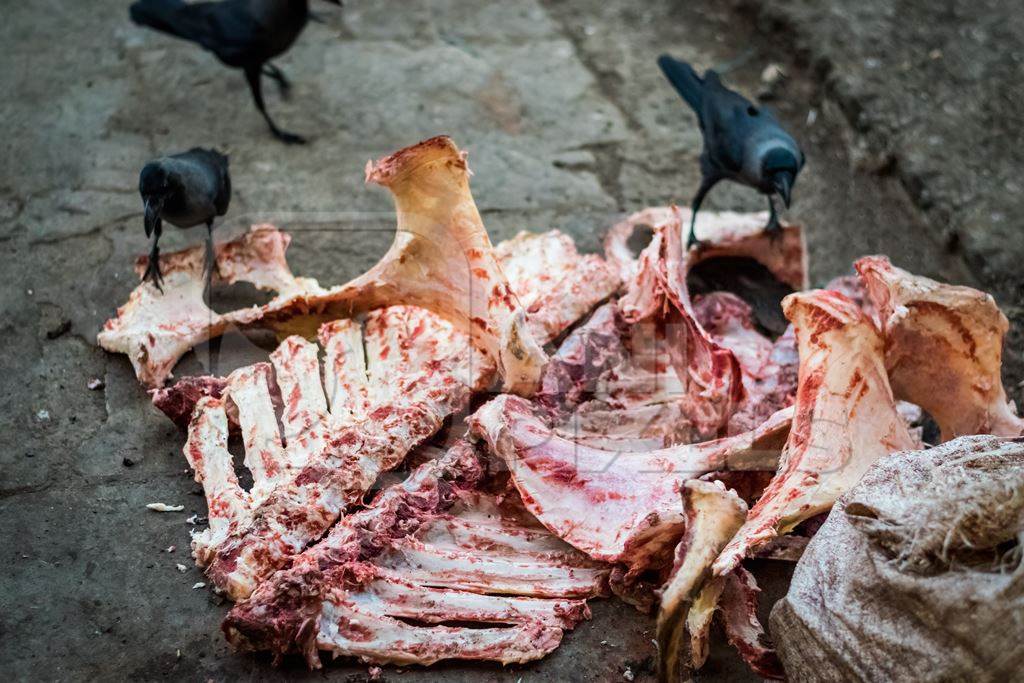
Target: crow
x=244, y=34
x=742, y=142
x=186, y=190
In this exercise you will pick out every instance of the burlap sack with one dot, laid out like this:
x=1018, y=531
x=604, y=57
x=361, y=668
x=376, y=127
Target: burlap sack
x=917, y=573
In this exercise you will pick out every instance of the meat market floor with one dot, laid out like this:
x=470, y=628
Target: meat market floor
x=568, y=125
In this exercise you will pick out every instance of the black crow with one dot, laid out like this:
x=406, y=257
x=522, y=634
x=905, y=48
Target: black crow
x=742, y=142
x=245, y=34
x=186, y=190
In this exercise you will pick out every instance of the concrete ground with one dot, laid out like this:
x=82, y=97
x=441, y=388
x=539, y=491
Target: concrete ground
x=568, y=125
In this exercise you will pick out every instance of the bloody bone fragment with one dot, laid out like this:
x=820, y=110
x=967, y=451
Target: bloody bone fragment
x=943, y=349
x=574, y=489
x=556, y=284
x=710, y=374
x=743, y=630
x=723, y=233
x=356, y=594
x=845, y=420
x=179, y=400
x=712, y=515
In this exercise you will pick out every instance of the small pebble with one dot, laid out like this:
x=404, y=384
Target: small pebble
x=43, y=415
x=171, y=549
x=127, y=462
x=628, y=674
x=181, y=568
x=197, y=585
x=95, y=384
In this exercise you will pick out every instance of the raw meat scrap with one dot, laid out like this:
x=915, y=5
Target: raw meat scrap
x=845, y=420
x=743, y=630
x=555, y=283
x=574, y=489
x=332, y=445
x=943, y=349
x=712, y=514
x=155, y=329
x=433, y=569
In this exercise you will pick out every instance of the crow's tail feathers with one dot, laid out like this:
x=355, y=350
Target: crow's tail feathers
x=160, y=15
x=684, y=79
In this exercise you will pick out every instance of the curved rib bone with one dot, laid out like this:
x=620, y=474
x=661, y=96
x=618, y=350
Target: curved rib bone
x=943, y=349
x=574, y=489
x=845, y=420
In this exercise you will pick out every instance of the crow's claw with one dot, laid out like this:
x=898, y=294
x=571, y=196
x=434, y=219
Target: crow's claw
x=152, y=273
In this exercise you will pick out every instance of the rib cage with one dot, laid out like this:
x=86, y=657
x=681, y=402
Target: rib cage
x=331, y=445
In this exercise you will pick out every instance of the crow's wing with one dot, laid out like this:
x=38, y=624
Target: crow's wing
x=728, y=122
x=231, y=29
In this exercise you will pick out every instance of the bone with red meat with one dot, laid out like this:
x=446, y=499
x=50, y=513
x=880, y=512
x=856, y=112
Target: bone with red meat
x=467, y=285
x=332, y=446
x=943, y=349
x=574, y=489
x=399, y=581
x=845, y=420
x=155, y=329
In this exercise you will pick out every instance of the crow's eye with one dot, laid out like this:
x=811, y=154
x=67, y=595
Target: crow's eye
x=752, y=110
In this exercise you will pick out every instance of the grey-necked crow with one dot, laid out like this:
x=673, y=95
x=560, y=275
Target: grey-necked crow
x=245, y=34
x=742, y=142
x=186, y=190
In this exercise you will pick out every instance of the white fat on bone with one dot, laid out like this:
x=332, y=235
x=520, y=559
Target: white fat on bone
x=943, y=349
x=845, y=420
x=574, y=489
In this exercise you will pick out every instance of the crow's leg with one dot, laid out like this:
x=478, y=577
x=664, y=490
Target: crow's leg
x=209, y=262
x=773, y=229
x=152, y=273
x=252, y=75
x=283, y=84
x=705, y=187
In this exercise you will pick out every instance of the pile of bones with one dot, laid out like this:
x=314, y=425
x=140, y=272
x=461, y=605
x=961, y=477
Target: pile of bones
x=626, y=437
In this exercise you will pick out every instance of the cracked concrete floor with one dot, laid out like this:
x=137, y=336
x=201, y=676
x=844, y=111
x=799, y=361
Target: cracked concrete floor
x=568, y=125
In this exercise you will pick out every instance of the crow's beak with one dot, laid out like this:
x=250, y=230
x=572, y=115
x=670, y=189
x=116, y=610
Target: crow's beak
x=783, y=184
x=153, y=208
